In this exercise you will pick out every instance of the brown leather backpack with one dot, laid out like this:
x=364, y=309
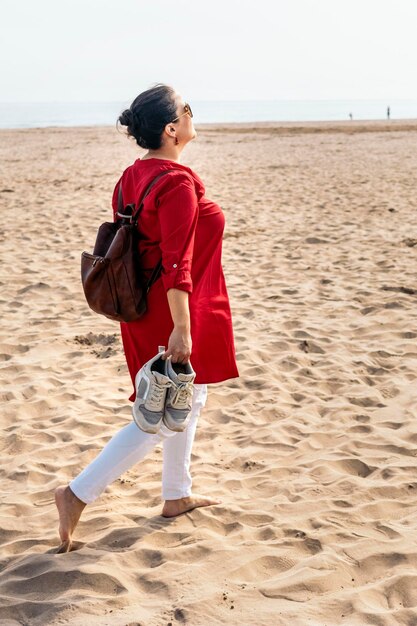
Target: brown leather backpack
x=111, y=276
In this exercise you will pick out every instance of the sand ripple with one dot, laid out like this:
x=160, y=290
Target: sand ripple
x=312, y=449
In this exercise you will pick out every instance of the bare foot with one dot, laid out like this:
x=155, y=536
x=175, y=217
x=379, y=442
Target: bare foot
x=69, y=508
x=172, y=508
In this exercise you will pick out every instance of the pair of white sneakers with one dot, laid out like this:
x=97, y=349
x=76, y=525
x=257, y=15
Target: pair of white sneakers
x=164, y=392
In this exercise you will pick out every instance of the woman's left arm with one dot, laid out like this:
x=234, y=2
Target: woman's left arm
x=178, y=214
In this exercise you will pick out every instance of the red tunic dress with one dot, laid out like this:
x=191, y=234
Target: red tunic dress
x=179, y=222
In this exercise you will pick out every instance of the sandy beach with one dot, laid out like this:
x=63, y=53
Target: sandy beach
x=312, y=450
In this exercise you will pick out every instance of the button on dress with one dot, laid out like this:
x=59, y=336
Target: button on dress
x=178, y=222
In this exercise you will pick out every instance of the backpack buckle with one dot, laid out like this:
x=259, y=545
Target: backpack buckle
x=127, y=216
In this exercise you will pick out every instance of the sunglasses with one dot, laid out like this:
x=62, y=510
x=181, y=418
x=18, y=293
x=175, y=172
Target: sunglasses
x=187, y=111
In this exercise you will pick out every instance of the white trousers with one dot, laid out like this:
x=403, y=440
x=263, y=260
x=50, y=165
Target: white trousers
x=131, y=444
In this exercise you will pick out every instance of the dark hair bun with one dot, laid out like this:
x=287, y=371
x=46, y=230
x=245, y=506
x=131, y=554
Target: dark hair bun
x=126, y=118
x=149, y=112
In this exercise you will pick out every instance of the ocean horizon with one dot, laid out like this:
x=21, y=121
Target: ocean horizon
x=45, y=114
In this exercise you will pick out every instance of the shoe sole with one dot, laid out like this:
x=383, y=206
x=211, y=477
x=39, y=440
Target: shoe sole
x=171, y=424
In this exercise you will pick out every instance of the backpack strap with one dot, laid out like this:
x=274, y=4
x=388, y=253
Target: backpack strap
x=121, y=209
x=134, y=216
x=120, y=206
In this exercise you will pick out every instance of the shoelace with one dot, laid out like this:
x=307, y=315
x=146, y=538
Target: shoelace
x=157, y=393
x=182, y=393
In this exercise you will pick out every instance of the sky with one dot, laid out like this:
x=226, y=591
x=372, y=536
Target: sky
x=111, y=50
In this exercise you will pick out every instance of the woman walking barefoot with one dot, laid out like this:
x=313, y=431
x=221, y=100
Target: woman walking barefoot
x=188, y=307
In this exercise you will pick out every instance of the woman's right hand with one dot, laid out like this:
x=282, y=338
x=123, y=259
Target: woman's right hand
x=179, y=345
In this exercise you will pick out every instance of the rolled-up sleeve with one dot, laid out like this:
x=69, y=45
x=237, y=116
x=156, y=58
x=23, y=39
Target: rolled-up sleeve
x=177, y=207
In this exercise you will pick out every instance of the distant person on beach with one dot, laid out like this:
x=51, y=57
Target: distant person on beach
x=388, y=113
x=351, y=116
x=187, y=306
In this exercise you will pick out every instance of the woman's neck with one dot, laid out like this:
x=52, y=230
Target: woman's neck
x=172, y=154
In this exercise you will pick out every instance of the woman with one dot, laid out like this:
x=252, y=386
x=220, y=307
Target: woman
x=188, y=308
